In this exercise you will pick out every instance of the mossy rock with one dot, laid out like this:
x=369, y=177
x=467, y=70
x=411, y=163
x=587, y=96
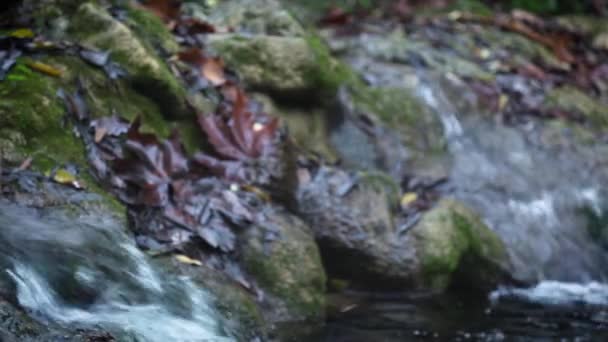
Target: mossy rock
x=381, y=182
x=152, y=31
x=297, y=69
x=450, y=238
x=94, y=27
x=243, y=316
x=288, y=268
x=569, y=98
x=400, y=110
x=30, y=108
x=307, y=127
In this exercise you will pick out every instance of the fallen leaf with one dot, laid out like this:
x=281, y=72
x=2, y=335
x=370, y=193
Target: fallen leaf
x=263, y=195
x=25, y=164
x=23, y=33
x=97, y=58
x=100, y=133
x=63, y=176
x=188, y=261
x=213, y=70
x=503, y=100
x=408, y=199
x=44, y=68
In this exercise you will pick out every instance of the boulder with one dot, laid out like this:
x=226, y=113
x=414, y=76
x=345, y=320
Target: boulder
x=353, y=222
x=284, y=260
x=94, y=27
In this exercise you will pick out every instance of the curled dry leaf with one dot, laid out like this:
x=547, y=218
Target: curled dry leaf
x=210, y=68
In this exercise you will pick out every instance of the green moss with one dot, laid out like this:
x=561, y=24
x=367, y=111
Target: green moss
x=151, y=30
x=329, y=73
x=272, y=273
x=569, y=98
x=395, y=106
x=105, y=97
x=289, y=269
x=309, y=131
x=29, y=105
x=451, y=238
x=442, y=255
x=94, y=27
x=383, y=183
x=190, y=134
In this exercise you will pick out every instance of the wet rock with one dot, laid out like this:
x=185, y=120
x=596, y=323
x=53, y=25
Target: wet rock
x=359, y=241
x=94, y=27
x=15, y=325
x=451, y=241
x=571, y=99
x=403, y=131
x=242, y=310
x=353, y=224
x=284, y=260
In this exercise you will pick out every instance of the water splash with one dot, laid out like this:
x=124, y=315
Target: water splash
x=81, y=274
x=531, y=193
x=557, y=293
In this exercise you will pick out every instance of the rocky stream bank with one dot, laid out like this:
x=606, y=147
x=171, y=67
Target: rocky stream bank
x=258, y=165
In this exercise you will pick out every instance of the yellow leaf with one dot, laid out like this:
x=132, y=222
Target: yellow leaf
x=263, y=195
x=408, y=198
x=22, y=33
x=44, y=68
x=188, y=261
x=65, y=177
x=503, y=100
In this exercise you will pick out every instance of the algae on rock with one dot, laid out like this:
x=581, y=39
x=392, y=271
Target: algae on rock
x=450, y=237
x=288, y=267
x=94, y=27
x=569, y=98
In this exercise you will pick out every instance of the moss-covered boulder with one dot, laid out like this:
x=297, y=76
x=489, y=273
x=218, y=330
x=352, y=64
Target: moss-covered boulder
x=280, y=65
x=94, y=27
x=287, y=266
x=354, y=225
x=452, y=241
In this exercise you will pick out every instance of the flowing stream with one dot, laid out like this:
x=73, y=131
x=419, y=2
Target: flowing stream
x=538, y=197
x=87, y=274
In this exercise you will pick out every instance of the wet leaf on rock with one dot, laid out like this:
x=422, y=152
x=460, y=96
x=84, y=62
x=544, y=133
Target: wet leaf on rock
x=210, y=68
x=22, y=33
x=187, y=260
x=65, y=177
x=44, y=68
x=111, y=126
x=102, y=60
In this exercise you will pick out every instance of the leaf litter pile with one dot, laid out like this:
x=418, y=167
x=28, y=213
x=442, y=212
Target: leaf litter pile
x=195, y=204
